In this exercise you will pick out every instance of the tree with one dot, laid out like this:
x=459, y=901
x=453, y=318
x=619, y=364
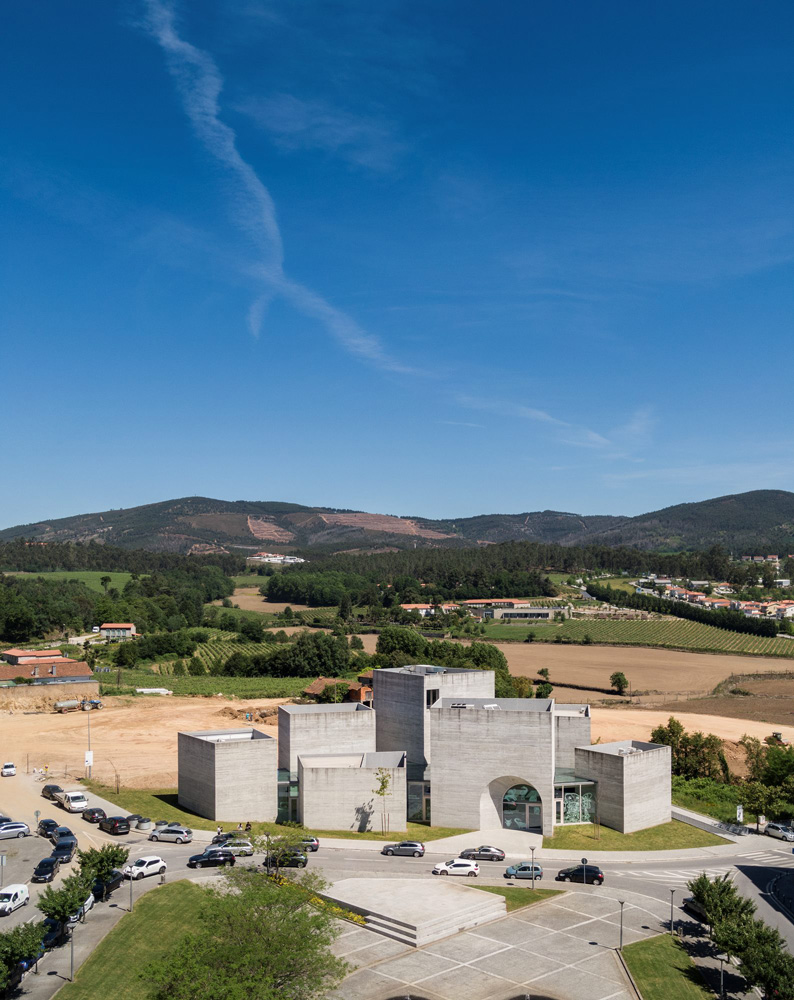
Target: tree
x=20, y=944
x=98, y=864
x=105, y=581
x=394, y=639
x=523, y=687
x=383, y=786
x=345, y=607
x=255, y=937
x=754, y=755
x=196, y=668
x=619, y=682
x=543, y=690
x=356, y=642
x=333, y=692
x=544, y=673
x=760, y=799
x=252, y=629
x=60, y=904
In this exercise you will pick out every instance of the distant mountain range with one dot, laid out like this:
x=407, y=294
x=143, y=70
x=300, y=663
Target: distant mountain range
x=758, y=522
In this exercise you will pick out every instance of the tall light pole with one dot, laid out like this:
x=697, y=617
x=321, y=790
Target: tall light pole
x=130, y=893
x=622, y=904
x=672, y=893
x=722, y=958
x=532, y=849
x=71, y=955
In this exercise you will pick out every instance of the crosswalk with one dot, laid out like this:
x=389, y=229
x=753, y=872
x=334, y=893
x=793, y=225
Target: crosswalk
x=680, y=876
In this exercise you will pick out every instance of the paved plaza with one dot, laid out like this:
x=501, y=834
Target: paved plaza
x=563, y=948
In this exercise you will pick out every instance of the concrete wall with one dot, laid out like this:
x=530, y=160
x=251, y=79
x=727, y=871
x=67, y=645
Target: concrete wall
x=336, y=797
x=400, y=699
x=572, y=731
x=478, y=754
x=314, y=729
x=228, y=781
x=633, y=790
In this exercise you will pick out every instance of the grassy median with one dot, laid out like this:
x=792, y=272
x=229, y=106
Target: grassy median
x=518, y=897
x=157, y=923
x=663, y=970
x=667, y=837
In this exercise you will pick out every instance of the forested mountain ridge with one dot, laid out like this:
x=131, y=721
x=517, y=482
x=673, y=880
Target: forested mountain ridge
x=757, y=522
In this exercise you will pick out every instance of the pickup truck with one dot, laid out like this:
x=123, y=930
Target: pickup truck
x=72, y=801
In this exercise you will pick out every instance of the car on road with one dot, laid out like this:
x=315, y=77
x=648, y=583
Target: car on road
x=691, y=905
x=406, y=847
x=65, y=849
x=50, y=791
x=581, y=873
x=213, y=857
x=174, y=834
x=287, y=857
x=94, y=815
x=457, y=866
x=10, y=830
x=524, y=870
x=152, y=864
x=310, y=844
x=87, y=905
x=102, y=890
x=54, y=933
x=46, y=870
x=483, y=853
x=12, y=897
x=46, y=826
x=239, y=848
x=59, y=832
x=221, y=838
x=114, y=824
x=780, y=830
x=8, y=770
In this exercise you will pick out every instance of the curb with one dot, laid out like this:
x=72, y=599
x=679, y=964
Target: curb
x=627, y=974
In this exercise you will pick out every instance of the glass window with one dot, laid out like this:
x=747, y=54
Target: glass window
x=431, y=696
x=570, y=804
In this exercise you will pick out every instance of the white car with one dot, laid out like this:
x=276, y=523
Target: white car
x=150, y=865
x=458, y=866
x=8, y=770
x=87, y=905
x=12, y=897
x=175, y=834
x=780, y=830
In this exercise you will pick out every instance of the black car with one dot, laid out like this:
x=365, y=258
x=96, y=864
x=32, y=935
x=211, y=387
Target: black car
x=50, y=791
x=46, y=826
x=102, y=890
x=54, y=933
x=289, y=857
x=221, y=838
x=59, y=833
x=46, y=870
x=483, y=853
x=114, y=824
x=581, y=873
x=65, y=849
x=212, y=858
x=94, y=815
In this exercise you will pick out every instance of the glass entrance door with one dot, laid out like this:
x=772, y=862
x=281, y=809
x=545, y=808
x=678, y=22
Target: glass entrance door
x=522, y=809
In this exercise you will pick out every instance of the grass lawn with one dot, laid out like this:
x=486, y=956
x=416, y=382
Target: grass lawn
x=90, y=578
x=663, y=970
x=667, y=837
x=517, y=898
x=161, y=803
x=159, y=919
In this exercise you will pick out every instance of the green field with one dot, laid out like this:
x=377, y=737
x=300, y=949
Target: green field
x=667, y=837
x=161, y=803
x=617, y=583
x=90, y=578
x=159, y=920
x=663, y=633
x=663, y=970
x=517, y=897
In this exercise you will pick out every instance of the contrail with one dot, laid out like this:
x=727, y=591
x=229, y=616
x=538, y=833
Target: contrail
x=199, y=84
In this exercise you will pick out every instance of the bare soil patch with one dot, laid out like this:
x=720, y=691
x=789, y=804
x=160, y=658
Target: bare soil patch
x=637, y=723
x=770, y=701
x=249, y=599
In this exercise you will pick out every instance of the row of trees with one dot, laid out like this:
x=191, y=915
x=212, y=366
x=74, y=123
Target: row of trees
x=34, y=557
x=765, y=962
x=734, y=621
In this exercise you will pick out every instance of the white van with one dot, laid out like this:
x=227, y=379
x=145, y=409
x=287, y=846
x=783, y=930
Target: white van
x=12, y=897
x=72, y=801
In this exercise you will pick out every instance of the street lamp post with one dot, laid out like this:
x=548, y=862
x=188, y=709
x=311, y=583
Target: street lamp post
x=622, y=904
x=722, y=958
x=71, y=955
x=672, y=927
x=130, y=893
x=532, y=849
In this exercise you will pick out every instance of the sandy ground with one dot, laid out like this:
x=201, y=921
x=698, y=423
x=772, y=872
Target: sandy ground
x=637, y=723
x=249, y=599
x=136, y=737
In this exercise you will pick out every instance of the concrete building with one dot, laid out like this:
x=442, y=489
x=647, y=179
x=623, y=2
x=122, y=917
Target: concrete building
x=117, y=630
x=633, y=780
x=338, y=791
x=228, y=774
x=346, y=727
x=498, y=762
x=403, y=697
x=525, y=613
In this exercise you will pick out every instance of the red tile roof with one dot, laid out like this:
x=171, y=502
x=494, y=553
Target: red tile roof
x=117, y=625
x=46, y=653
x=63, y=668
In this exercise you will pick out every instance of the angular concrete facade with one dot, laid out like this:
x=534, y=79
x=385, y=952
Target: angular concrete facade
x=337, y=791
x=319, y=729
x=402, y=698
x=228, y=775
x=633, y=782
x=483, y=748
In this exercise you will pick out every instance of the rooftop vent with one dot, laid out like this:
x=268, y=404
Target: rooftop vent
x=460, y=704
x=493, y=707
x=628, y=751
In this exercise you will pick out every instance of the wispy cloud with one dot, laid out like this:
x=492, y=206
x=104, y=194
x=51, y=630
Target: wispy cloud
x=570, y=433
x=297, y=124
x=199, y=84
x=459, y=423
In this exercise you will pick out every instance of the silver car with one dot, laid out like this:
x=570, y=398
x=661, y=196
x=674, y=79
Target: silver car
x=240, y=848
x=175, y=834
x=780, y=830
x=9, y=830
x=410, y=847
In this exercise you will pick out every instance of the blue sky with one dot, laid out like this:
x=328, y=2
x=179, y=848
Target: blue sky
x=418, y=258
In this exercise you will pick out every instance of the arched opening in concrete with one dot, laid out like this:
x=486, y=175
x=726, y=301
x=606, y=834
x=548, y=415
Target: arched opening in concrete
x=513, y=803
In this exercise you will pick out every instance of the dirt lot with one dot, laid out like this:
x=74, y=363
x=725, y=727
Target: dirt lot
x=136, y=737
x=770, y=701
x=249, y=599
x=637, y=723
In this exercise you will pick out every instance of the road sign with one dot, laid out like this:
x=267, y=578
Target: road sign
x=2, y=860
x=89, y=758
x=37, y=813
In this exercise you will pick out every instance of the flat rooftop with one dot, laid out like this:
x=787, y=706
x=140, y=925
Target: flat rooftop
x=423, y=669
x=228, y=735
x=623, y=748
x=513, y=705
x=342, y=706
x=380, y=758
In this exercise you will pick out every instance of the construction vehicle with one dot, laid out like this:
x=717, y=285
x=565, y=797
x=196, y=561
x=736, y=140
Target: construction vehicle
x=76, y=705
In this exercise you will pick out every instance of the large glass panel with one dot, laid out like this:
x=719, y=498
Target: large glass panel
x=588, y=803
x=570, y=801
x=521, y=808
x=415, y=801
